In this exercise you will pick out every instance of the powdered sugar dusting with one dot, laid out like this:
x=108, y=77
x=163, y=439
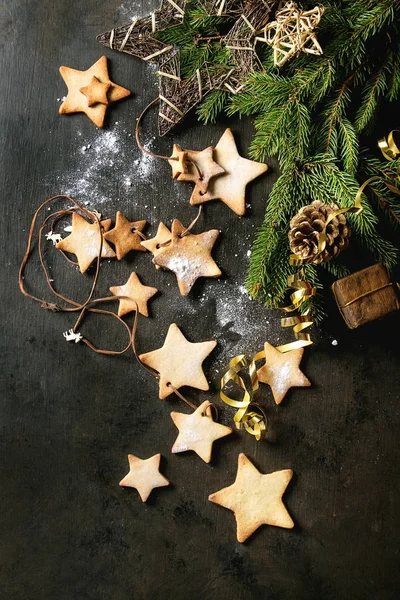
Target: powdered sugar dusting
x=280, y=377
x=106, y=154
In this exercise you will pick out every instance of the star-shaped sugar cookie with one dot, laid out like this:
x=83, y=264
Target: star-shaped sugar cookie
x=201, y=168
x=133, y=294
x=96, y=92
x=84, y=241
x=255, y=499
x=189, y=257
x=124, y=235
x=198, y=431
x=179, y=362
x=281, y=371
x=230, y=187
x=90, y=91
x=163, y=235
x=178, y=161
x=144, y=475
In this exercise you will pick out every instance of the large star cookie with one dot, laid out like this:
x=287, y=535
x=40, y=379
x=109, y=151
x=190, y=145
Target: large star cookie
x=133, y=295
x=179, y=362
x=124, y=235
x=144, y=475
x=189, y=257
x=198, y=431
x=281, y=371
x=230, y=187
x=84, y=241
x=255, y=499
x=90, y=91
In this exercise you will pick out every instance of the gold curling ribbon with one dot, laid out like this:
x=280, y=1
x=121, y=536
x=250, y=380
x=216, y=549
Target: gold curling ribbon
x=252, y=421
x=388, y=146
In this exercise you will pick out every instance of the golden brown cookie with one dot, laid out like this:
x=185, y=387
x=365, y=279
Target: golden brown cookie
x=201, y=168
x=84, y=241
x=198, y=431
x=255, y=499
x=179, y=362
x=189, y=257
x=178, y=161
x=133, y=294
x=96, y=92
x=230, y=187
x=144, y=475
x=281, y=371
x=124, y=235
x=90, y=91
x=163, y=235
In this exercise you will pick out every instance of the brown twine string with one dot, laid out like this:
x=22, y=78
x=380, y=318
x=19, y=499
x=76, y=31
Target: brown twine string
x=74, y=306
x=87, y=306
x=143, y=149
x=187, y=230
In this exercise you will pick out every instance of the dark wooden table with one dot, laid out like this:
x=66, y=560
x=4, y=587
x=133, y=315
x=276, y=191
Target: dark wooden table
x=69, y=417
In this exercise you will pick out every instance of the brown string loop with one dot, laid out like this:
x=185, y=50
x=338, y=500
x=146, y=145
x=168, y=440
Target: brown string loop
x=74, y=306
x=142, y=148
x=187, y=230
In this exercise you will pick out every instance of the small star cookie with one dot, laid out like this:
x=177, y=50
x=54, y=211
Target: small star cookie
x=84, y=241
x=189, y=257
x=90, y=91
x=133, y=295
x=179, y=362
x=96, y=92
x=124, y=235
x=201, y=168
x=230, y=187
x=144, y=475
x=198, y=432
x=178, y=161
x=255, y=499
x=163, y=235
x=281, y=371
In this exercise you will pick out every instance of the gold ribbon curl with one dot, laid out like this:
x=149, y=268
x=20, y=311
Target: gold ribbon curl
x=388, y=146
x=252, y=421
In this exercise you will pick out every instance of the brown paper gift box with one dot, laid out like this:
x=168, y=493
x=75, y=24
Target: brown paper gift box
x=365, y=296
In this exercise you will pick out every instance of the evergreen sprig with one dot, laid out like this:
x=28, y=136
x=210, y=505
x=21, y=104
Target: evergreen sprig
x=311, y=114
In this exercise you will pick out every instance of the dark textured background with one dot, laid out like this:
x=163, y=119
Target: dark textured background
x=69, y=417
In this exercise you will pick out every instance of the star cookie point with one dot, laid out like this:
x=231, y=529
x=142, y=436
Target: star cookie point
x=255, y=498
x=144, y=475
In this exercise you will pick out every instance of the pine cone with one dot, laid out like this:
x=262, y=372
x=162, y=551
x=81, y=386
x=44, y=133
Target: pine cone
x=306, y=227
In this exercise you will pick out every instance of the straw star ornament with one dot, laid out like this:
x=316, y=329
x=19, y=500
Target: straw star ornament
x=292, y=32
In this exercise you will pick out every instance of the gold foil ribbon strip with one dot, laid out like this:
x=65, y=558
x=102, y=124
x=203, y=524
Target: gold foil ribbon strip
x=252, y=421
x=388, y=146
